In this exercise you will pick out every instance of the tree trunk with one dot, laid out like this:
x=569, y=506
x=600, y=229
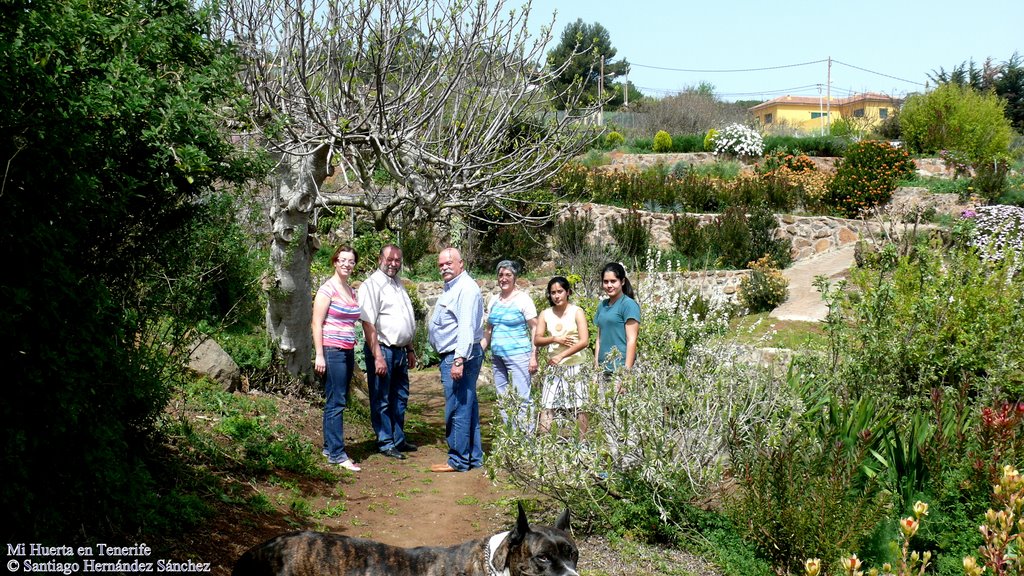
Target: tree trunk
x=289, y=302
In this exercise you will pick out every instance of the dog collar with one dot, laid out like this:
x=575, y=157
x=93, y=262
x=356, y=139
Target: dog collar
x=492, y=546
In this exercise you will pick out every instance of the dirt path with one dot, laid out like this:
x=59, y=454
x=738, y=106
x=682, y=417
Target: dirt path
x=396, y=502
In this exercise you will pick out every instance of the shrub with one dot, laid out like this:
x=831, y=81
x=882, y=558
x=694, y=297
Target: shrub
x=765, y=287
x=750, y=191
x=810, y=145
x=954, y=117
x=763, y=223
x=688, y=143
x=572, y=231
x=731, y=236
x=698, y=193
x=687, y=236
x=867, y=176
x=662, y=142
x=709, y=140
x=680, y=169
x=613, y=140
x=720, y=169
x=998, y=231
x=783, y=159
x=632, y=236
x=991, y=178
x=740, y=141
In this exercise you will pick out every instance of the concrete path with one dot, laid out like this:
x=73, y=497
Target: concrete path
x=804, y=302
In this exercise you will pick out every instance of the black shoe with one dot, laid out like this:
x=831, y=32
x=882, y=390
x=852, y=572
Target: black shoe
x=392, y=453
x=408, y=447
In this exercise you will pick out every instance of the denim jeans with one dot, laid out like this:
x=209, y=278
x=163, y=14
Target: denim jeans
x=389, y=395
x=336, y=380
x=517, y=369
x=462, y=412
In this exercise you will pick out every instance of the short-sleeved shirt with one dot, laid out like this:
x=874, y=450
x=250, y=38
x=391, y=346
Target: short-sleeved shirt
x=510, y=333
x=387, y=306
x=340, y=323
x=611, y=322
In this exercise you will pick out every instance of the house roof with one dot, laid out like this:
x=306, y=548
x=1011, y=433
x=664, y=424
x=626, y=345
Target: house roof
x=815, y=100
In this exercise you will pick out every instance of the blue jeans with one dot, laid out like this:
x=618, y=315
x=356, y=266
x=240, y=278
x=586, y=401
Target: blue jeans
x=462, y=412
x=389, y=395
x=336, y=380
x=517, y=369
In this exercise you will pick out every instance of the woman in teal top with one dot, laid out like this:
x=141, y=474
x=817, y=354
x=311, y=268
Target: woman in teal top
x=617, y=320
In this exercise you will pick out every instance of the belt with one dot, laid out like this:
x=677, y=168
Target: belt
x=396, y=347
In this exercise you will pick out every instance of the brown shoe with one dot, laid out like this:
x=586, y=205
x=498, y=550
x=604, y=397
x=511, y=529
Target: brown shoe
x=442, y=468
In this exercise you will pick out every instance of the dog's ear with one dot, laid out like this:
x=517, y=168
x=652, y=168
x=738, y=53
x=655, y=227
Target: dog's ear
x=522, y=527
x=563, y=521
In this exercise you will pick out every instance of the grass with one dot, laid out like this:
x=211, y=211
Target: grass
x=761, y=330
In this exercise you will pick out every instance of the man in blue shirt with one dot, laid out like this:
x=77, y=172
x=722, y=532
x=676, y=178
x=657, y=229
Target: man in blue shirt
x=455, y=331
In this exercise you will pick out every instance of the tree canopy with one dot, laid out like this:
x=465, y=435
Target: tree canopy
x=1006, y=79
x=111, y=205
x=593, y=42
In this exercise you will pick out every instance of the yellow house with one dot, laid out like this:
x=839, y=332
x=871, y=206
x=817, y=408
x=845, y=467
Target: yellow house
x=811, y=113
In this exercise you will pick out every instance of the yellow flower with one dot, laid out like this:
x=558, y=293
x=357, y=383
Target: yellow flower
x=971, y=567
x=920, y=509
x=851, y=564
x=812, y=566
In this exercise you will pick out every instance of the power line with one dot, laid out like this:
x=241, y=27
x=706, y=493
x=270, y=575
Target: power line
x=766, y=68
x=719, y=71
x=878, y=73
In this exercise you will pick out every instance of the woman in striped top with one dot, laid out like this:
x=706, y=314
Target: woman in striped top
x=335, y=313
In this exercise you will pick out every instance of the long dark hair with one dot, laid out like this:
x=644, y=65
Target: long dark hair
x=620, y=273
x=564, y=283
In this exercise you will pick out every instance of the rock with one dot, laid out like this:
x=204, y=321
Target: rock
x=210, y=360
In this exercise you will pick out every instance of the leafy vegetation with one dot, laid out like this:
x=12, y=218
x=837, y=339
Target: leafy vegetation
x=117, y=202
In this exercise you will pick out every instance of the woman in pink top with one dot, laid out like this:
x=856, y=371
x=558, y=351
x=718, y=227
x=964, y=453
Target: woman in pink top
x=335, y=313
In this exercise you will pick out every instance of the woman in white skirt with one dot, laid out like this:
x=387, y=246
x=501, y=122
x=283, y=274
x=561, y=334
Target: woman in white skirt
x=563, y=329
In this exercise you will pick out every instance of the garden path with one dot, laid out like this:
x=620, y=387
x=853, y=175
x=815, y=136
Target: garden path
x=804, y=301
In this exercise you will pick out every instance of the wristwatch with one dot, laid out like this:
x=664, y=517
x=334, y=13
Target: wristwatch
x=458, y=362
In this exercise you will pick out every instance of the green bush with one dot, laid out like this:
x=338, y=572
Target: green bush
x=722, y=169
x=709, y=140
x=867, y=176
x=765, y=287
x=662, y=142
x=810, y=145
x=730, y=234
x=991, y=179
x=687, y=236
x=954, y=117
x=688, y=143
x=632, y=236
x=613, y=140
x=763, y=223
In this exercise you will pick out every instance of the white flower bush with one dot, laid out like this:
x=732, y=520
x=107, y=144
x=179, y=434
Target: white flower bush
x=740, y=141
x=998, y=232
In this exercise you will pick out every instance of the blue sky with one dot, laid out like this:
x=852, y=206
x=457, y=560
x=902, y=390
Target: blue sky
x=879, y=46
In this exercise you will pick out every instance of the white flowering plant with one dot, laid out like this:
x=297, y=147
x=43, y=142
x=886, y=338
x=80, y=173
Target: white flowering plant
x=740, y=141
x=658, y=433
x=998, y=233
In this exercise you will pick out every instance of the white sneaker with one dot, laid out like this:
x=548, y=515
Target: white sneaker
x=349, y=465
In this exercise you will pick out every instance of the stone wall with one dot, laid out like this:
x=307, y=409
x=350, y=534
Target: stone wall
x=714, y=284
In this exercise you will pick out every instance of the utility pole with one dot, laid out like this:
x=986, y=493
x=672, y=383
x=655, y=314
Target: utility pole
x=828, y=98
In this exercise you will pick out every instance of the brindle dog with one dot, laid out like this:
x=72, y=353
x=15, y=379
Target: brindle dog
x=523, y=550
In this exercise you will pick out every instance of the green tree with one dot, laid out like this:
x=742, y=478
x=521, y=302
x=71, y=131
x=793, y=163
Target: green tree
x=955, y=117
x=579, y=55
x=1006, y=79
x=113, y=206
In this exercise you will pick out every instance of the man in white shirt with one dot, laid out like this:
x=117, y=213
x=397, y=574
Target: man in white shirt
x=389, y=327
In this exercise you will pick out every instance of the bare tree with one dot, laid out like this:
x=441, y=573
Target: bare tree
x=447, y=97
